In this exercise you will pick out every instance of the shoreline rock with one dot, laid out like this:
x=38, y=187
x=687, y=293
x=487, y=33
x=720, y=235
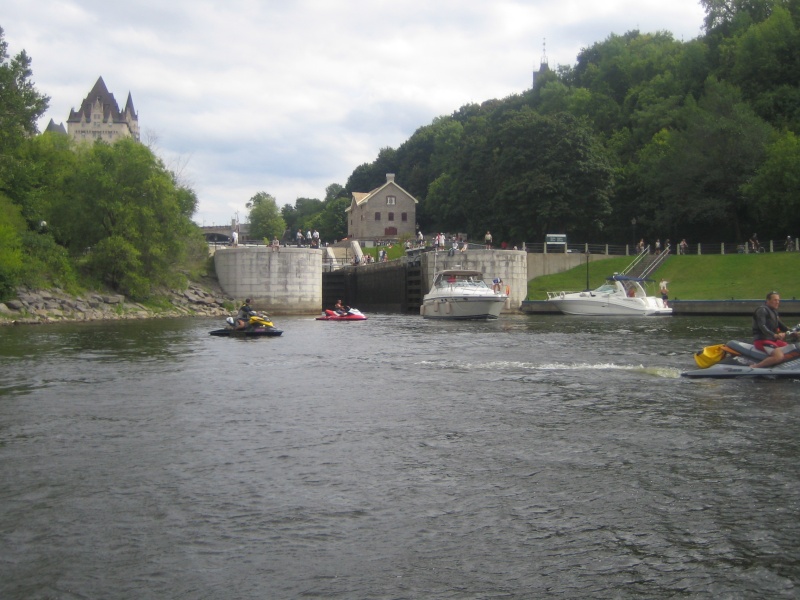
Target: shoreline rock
x=37, y=307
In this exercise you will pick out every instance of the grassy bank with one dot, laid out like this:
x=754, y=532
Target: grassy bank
x=713, y=277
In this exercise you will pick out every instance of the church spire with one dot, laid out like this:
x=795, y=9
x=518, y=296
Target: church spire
x=543, y=66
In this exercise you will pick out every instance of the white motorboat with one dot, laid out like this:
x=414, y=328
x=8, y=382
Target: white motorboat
x=620, y=295
x=461, y=294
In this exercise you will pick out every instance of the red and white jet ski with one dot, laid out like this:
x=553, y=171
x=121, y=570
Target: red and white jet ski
x=352, y=314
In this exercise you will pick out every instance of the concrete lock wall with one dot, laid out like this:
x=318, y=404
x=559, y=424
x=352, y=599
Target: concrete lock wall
x=288, y=281
x=510, y=265
x=551, y=263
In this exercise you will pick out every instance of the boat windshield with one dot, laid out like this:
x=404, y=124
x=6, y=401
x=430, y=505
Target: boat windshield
x=461, y=281
x=607, y=288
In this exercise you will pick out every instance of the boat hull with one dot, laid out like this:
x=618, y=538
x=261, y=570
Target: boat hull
x=728, y=371
x=462, y=308
x=257, y=332
x=613, y=306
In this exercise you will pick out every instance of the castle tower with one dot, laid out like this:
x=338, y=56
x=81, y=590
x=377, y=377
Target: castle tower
x=99, y=117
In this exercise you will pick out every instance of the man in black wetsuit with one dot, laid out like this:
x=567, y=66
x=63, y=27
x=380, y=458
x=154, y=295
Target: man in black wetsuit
x=769, y=332
x=245, y=312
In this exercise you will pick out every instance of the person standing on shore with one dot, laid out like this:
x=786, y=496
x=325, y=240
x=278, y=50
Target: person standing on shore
x=662, y=287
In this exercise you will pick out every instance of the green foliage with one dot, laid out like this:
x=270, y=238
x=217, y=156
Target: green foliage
x=300, y=215
x=552, y=176
x=117, y=262
x=20, y=104
x=332, y=220
x=11, y=251
x=124, y=207
x=46, y=263
x=265, y=219
x=692, y=176
x=774, y=188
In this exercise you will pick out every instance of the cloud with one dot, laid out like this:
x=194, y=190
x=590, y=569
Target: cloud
x=290, y=96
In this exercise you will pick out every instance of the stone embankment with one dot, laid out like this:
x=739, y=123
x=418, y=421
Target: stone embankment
x=55, y=305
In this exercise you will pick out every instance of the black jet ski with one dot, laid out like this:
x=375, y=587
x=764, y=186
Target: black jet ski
x=735, y=358
x=258, y=326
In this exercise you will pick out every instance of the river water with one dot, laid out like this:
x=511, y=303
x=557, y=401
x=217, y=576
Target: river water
x=528, y=457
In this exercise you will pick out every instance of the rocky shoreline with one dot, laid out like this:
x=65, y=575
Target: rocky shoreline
x=33, y=307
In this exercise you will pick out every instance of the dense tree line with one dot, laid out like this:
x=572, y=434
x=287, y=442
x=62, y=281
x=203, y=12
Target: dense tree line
x=94, y=213
x=692, y=139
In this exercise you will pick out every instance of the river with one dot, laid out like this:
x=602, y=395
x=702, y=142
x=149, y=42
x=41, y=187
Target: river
x=528, y=457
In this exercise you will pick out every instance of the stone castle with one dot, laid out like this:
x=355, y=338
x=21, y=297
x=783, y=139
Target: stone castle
x=100, y=118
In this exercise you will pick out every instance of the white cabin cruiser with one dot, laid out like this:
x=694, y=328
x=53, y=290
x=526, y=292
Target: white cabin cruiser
x=620, y=295
x=462, y=294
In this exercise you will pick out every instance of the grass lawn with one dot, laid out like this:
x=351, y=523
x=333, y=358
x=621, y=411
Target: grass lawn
x=712, y=277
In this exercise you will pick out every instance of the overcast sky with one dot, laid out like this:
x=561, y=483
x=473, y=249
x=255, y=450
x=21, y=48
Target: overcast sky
x=289, y=96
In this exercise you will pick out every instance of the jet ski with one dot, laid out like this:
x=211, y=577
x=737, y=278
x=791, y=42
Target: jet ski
x=258, y=326
x=352, y=314
x=735, y=359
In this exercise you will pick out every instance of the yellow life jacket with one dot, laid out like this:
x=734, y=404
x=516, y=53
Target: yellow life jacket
x=710, y=355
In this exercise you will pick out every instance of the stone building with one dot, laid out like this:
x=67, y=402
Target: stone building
x=386, y=212
x=99, y=117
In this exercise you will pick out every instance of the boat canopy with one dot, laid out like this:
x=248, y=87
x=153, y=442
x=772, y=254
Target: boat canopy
x=617, y=277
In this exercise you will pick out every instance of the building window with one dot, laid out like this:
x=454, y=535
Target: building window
x=391, y=200
x=377, y=216
x=391, y=216
x=404, y=217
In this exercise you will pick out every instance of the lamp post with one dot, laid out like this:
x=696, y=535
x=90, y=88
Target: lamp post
x=587, y=271
x=633, y=225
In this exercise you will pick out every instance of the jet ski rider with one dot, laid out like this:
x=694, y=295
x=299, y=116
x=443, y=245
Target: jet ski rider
x=341, y=308
x=244, y=314
x=769, y=332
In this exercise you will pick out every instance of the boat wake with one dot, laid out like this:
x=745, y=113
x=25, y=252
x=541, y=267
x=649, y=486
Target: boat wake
x=517, y=366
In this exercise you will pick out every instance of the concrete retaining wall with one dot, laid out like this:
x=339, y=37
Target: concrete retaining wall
x=550, y=263
x=288, y=281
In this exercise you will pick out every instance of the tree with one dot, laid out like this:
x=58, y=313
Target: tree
x=551, y=175
x=332, y=221
x=333, y=192
x=11, y=254
x=20, y=106
x=727, y=13
x=264, y=217
x=121, y=210
x=773, y=189
x=20, y=103
x=693, y=175
x=767, y=68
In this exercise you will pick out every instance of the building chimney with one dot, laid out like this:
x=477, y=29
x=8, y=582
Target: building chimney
x=389, y=177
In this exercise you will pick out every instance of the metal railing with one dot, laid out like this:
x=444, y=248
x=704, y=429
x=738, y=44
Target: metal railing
x=630, y=249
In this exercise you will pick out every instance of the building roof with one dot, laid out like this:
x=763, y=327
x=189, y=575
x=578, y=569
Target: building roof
x=52, y=127
x=362, y=197
x=100, y=93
